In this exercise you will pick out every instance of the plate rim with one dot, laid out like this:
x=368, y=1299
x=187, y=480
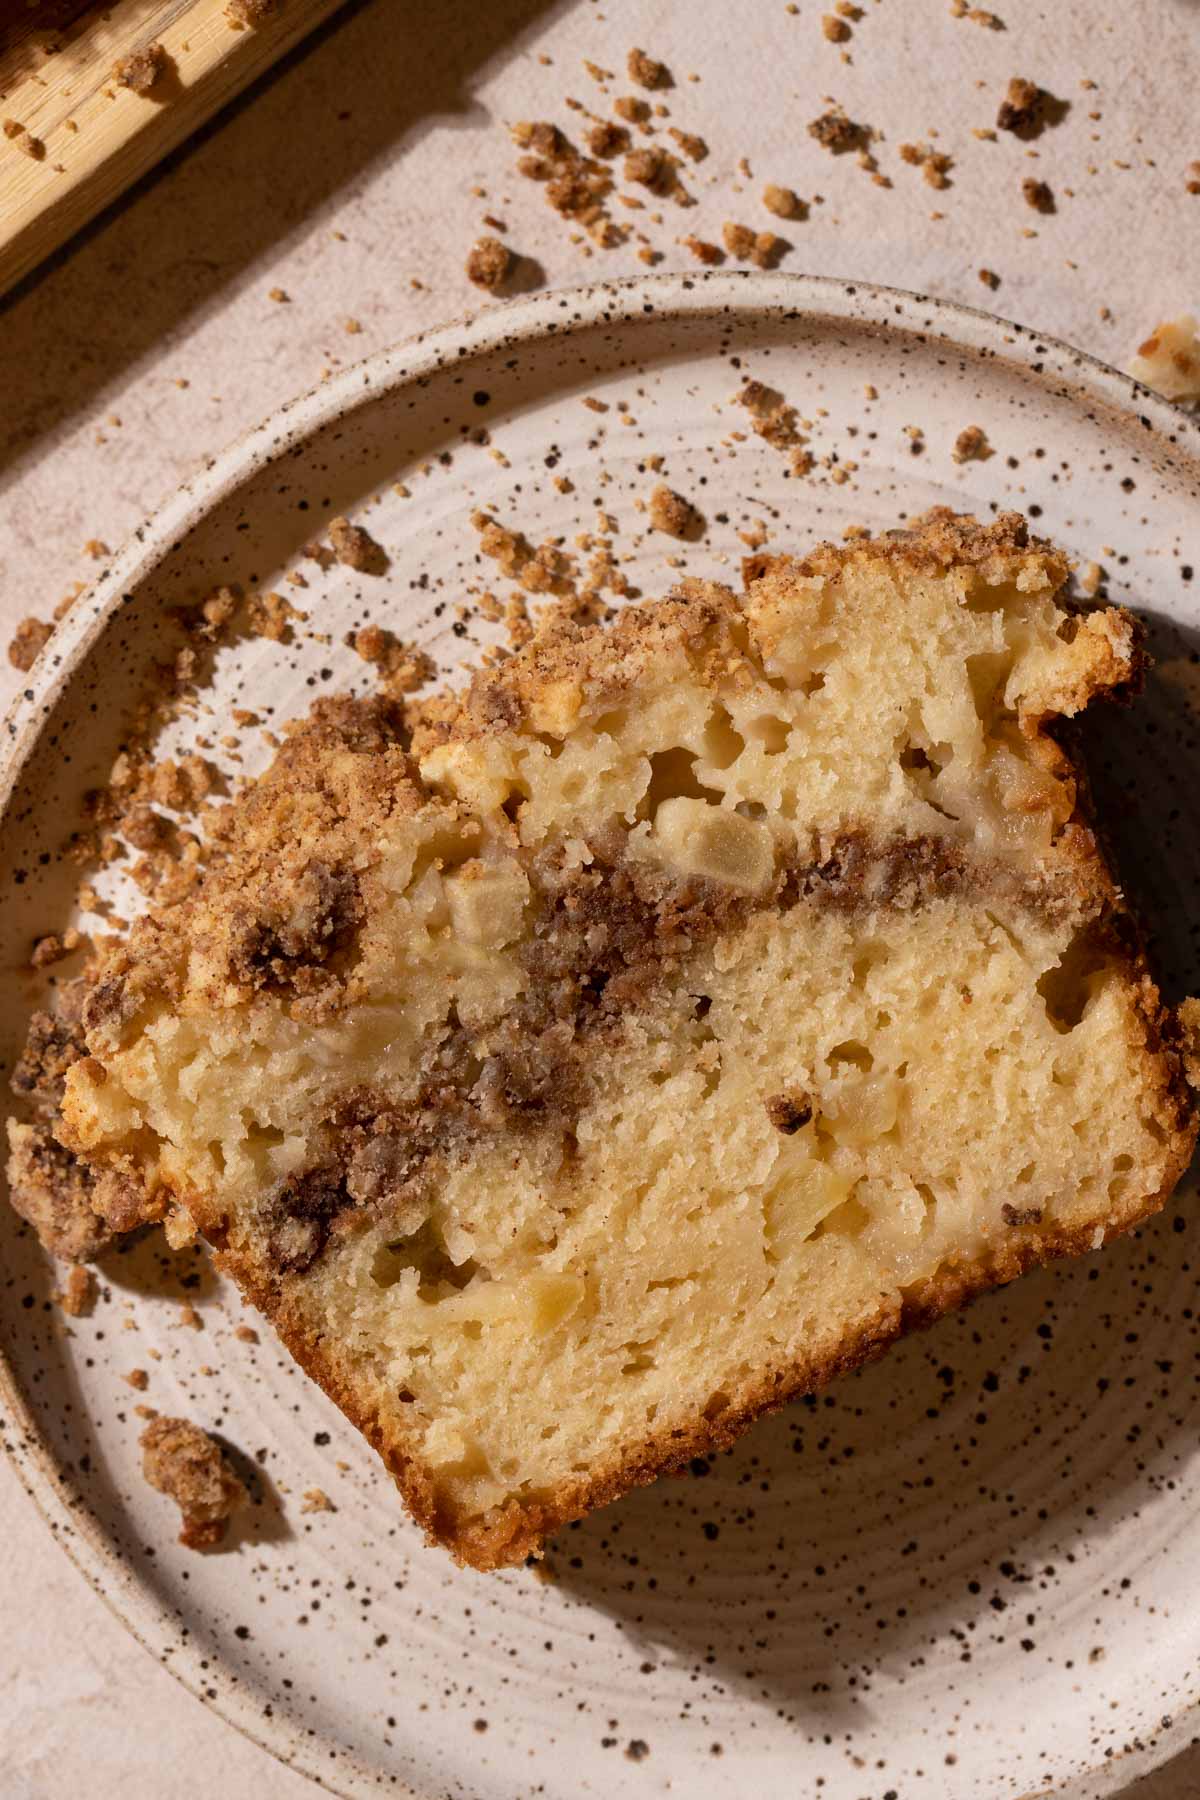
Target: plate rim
x=550, y=313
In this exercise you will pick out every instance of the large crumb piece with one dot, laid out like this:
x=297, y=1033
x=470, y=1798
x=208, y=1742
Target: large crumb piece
x=971, y=445
x=78, y=1292
x=142, y=69
x=243, y=14
x=834, y=131
x=762, y=248
x=773, y=418
x=190, y=1467
x=22, y=139
x=784, y=202
x=53, y=1191
x=27, y=643
x=665, y=1022
x=1169, y=360
x=354, y=546
x=647, y=71
x=647, y=166
x=1023, y=108
x=1038, y=194
x=488, y=263
x=671, y=513
x=605, y=139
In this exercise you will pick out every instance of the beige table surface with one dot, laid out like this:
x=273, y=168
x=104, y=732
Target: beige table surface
x=350, y=177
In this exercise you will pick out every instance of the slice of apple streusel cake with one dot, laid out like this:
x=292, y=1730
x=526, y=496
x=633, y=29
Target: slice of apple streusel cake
x=678, y=1016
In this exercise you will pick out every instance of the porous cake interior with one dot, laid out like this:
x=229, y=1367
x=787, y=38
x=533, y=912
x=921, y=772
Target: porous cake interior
x=661, y=1029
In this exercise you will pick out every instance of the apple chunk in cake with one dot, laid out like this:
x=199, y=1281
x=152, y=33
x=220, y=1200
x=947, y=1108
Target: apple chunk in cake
x=666, y=1025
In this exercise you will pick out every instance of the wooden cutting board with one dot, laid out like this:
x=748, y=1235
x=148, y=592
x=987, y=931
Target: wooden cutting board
x=72, y=138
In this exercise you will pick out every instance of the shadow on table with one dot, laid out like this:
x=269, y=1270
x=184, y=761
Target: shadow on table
x=256, y=174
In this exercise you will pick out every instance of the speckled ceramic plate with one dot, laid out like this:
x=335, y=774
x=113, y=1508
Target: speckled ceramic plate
x=971, y=1570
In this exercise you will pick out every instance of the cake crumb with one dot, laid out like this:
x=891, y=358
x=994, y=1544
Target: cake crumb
x=971, y=445
x=23, y=140
x=77, y=1294
x=137, y=1378
x=693, y=147
x=190, y=1467
x=314, y=1500
x=604, y=139
x=783, y=202
x=245, y=1334
x=51, y=949
x=1038, y=194
x=1168, y=360
x=47, y=1185
x=773, y=418
x=489, y=263
x=631, y=108
x=1023, y=109
x=142, y=69
x=1091, y=579
x=1193, y=178
x=671, y=513
x=834, y=29
x=27, y=642
x=933, y=164
x=355, y=548
x=647, y=71
x=989, y=278
x=703, y=251
x=402, y=667
x=189, y=1317
x=762, y=248
x=243, y=14
x=270, y=617
x=837, y=133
